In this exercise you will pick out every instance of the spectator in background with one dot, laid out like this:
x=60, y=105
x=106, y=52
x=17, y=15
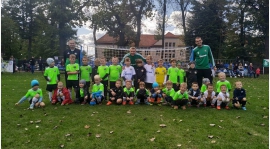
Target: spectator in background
x=235, y=70
x=258, y=71
x=241, y=70
x=230, y=70
x=14, y=63
x=40, y=64
x=32, y=62
x=237, y=60
x=251, y=70
x=24, y=64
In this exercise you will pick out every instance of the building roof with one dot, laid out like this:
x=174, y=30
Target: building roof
x=146, y=39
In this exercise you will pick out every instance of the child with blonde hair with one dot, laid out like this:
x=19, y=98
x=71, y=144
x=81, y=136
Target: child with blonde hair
x=97, y=94
x=168, y=92
x=61, y=95
x=150, y=72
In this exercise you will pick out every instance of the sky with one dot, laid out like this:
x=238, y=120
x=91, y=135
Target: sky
x=149, y=25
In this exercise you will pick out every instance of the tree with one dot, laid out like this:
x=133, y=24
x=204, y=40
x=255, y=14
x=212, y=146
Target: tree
x=207, y=21
x=184, y=5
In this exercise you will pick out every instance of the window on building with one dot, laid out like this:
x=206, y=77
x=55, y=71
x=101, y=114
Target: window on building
x=173, y=44
x=166, y=44
x=158, y=53
x=170, y=44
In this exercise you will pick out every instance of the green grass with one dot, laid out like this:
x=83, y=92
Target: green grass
x=132, y=130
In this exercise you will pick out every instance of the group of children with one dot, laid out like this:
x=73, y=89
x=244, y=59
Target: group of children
x=128, y=85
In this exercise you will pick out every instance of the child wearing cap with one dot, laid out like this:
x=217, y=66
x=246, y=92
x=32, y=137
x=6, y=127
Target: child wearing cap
x=156, y=94
x=34, y=96
x=61, y=95
x=205, y=82
x=82, y=94
x=52, y=76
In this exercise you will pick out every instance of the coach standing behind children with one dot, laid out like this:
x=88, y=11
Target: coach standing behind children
x=133, y=55
x=202, y=55
x=71, y=50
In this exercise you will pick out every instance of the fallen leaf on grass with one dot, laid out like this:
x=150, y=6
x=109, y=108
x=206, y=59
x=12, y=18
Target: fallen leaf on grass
x=162, y=125
x=265, y=116
x=98, y=135
x=179, y=145
x=158, y=131
x=26, y=128
x=238, y=117
x=60, y=121
x=98, y=125
x=37, y=126
x=31, y=122
x=45, y=114
x=262, y=124
x=221, y=120
x=210, y=136
x=173, y=119
x=98, y=120
x=18, y=124
x=161, y=115
x=213, y=141
x=180, y=120
x=92, y=114
x=86, y=126
x=212, y=125
x=55, y=127
x=62, y=145
x=111, y=132
x=38, y=121
x=28, y=141
x=67, y=135
x=128, y=112
x=220, y=126
x=152, y=139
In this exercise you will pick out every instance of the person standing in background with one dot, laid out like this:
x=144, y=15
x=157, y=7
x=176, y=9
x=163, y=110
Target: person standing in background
x=40, y=64
x=32, y=62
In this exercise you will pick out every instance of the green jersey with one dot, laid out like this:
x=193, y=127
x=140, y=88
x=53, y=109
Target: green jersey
x=102, y=71
x=202, y=56
x=51, y=73
x=115, y=71
x=203, y=88
x=179, y=96
x=227, y=83
x=147, y=92
x=173, y=73
x=182, y=75
x=72, y=68
x=170, y=92
x=32, y=93
x=86, y=72
x=98, y=87
x=81, y=92
x=128, y=91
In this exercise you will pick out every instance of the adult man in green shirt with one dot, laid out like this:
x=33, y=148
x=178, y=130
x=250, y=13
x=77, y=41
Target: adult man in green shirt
x=202, y=55
x=133, y=55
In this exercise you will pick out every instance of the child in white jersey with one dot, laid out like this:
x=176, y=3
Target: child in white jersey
x=128, y=73
x=150, y=72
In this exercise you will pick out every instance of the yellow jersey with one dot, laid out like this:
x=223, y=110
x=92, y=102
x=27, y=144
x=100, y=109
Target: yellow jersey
x=161, y=73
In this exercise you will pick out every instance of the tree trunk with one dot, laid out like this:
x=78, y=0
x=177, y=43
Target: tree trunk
x=138, y=34
x=267, y=44
x=183, y=16
x=121, y=41
x=163, y=22
x=62, y=39
x=95, y=38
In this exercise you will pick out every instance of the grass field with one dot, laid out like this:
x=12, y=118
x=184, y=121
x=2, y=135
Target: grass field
x=64, y=126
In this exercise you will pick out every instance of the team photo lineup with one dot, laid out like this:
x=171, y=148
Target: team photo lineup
x=137, y=80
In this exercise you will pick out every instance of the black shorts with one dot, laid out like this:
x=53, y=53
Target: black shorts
x=148, y=85
x=72, y=83
x=51, y=87
x=88, y=84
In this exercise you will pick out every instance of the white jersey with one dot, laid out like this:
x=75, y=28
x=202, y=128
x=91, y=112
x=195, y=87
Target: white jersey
x=224, y=96
x=205, y=94
x=127, y=73
x=150, y=73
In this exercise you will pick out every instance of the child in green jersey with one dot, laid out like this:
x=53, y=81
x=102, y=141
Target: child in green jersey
x=97, y=94
x=142, y=94
x=52, y=75
x=181, y=97
x=103, y=72
x=34, y=96
x=205, y=82
x=72, y=72
x=128, y=93
x=223, y=81
x=173, y=74
x=94, y=69
x=115, y=71
x=85, y=71
x=82, y=95
x=182, y=74
x=168, y=92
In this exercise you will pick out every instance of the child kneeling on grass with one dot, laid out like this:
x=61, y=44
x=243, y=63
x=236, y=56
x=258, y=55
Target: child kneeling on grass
x=239, y=96
x=195, y=95
x=116, y=93
x=61, y=95
x=97, y=91
x=156, y=94
x=34, y=95
x=181, y=97
x=142, y=94
x=223, y=97
x=128, y=95
x=168, y=93
x=82, y=94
